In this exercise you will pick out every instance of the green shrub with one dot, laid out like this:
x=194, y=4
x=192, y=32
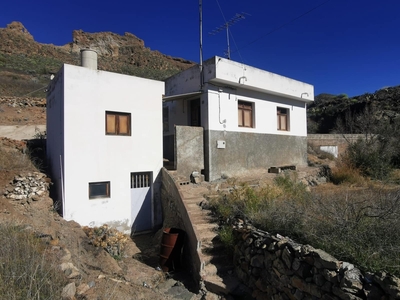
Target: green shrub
x=27, y=268
x=227, y=237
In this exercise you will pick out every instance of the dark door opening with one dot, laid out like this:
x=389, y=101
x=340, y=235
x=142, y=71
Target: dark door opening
x=195, y=116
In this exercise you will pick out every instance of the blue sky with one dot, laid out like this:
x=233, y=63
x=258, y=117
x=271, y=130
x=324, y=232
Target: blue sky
x=343, y=46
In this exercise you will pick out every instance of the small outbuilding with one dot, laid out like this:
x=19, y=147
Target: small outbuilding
x=104, y=146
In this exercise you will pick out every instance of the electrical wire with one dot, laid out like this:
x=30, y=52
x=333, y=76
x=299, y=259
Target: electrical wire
x=283, y=25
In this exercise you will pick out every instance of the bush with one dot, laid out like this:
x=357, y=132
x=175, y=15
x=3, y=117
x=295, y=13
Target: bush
x=27, y=268
x=108, y=238
x=346, y=174
x=361, y=225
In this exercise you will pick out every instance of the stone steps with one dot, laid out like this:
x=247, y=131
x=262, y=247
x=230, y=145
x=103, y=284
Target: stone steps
x=214, y=262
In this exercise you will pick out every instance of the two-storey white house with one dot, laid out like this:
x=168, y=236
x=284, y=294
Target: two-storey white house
x=104, y=146
x=251, y=118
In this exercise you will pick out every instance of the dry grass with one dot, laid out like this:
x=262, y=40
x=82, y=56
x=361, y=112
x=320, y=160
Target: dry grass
x=27, y=268
x=360, y=225
x=13, y=159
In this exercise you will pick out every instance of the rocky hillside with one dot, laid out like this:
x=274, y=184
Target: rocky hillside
x=329, y=112
x=25, y=65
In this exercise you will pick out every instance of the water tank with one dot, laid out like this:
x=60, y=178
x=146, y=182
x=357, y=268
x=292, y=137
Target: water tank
x=89, y=59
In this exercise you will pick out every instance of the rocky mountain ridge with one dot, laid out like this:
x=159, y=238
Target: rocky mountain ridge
x=26, y=64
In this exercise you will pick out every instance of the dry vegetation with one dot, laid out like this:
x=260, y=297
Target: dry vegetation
x=28, y=269
x=357, y=221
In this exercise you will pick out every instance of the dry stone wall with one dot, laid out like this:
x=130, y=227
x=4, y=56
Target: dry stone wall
x=276, y=267
x=23, y=101
x=28, y=186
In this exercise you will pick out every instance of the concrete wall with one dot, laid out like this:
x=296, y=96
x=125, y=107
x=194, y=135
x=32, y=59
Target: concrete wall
x=189, y=150
x=246, y=151
x=92, y=156
x=238, y=74
x=176, y=216
x=341, y=141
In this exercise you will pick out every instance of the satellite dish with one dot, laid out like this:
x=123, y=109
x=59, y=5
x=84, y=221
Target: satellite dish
x=51, y=76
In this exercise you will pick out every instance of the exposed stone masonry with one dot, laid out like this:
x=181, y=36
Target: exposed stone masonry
x=276, y=267
x=23, y=101
x=30, y=186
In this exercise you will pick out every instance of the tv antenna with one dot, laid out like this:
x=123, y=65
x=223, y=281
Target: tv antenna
x=226, y=26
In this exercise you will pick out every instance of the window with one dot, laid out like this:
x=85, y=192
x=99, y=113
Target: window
x=99, y=189
x=283, y=118
x=141, y=180
x=118, y=123
x=245, y=114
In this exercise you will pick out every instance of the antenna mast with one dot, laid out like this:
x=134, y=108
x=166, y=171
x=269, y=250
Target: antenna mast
x=231, y=22
x=201, y=43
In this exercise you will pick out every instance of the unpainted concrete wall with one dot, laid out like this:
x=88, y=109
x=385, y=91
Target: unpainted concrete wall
x=245, y=151
x=340, y=140
x=189, y=150
x=176, y=216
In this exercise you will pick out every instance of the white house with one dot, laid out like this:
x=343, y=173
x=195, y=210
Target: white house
x=250, y=118
x=104, y=146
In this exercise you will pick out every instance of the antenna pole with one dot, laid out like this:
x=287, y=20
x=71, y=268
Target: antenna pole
x=227, y=40
x=226, y=26
x=201, y=43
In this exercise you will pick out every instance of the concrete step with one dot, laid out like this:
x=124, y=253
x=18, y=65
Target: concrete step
x=209, y=270
x=201, y=219
x=206, y=228
x=195, y=200
x=192, y=207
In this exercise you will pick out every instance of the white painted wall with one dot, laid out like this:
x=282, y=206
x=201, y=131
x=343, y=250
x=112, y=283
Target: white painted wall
x=93, y=156
x=223, y=112
x=222, y=70
x=226, y=83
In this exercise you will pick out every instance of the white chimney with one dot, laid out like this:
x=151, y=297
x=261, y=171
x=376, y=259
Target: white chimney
x=89, y=59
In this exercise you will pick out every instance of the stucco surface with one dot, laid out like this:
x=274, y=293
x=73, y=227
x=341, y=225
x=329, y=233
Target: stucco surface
x=246, y=151
x=189, y=150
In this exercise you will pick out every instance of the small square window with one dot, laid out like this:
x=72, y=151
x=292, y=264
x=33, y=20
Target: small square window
x=99, y=189
x=283, y=118
x=141, y=180
x=245, y=114
x=118, y=123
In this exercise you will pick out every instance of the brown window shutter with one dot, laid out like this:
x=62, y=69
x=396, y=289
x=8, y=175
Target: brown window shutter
x=123, y=123
x=110, y=124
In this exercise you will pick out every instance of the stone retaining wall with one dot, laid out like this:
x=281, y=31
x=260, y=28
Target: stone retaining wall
x=23, y=101
x=276, y=267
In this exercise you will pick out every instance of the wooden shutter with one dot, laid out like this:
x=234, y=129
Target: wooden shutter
x=111, y=124
x=123, y=124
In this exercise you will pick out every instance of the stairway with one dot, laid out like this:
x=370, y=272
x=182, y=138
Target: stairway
x=217, y=270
